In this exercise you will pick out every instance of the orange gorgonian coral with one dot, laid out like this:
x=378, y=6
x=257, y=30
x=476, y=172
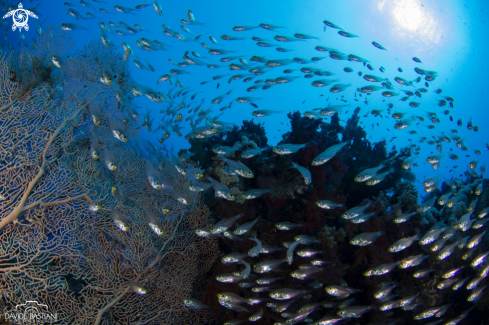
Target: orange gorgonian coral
x=60, y=245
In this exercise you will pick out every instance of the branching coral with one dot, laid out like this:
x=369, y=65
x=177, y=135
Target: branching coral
x=56, y=249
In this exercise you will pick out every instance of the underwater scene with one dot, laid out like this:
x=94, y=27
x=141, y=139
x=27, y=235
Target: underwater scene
x=222, y=162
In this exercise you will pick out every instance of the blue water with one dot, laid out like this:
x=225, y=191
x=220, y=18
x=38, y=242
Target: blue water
x=450, y=37
x=447, y=36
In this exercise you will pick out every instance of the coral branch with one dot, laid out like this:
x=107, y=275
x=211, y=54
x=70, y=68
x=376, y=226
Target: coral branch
x=47, y=204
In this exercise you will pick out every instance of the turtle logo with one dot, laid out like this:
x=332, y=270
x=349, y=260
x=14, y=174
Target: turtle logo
x=20, y=17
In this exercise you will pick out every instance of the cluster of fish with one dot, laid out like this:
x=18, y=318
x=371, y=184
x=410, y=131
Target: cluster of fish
x=444, y=236
x=249, y=68
x=468, y=275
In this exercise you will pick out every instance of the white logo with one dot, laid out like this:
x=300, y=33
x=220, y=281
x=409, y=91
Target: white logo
x=20, y=16
x=31, y=312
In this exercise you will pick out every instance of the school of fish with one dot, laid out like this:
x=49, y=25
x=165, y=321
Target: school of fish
x=459, y=241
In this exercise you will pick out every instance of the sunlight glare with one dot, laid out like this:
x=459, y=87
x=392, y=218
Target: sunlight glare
x=412, y=19
x=409, y=15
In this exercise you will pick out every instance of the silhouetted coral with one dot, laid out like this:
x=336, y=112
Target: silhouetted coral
x=253, y=131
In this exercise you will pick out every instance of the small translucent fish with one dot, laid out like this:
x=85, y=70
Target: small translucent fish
x=329, y=153
x=229, y=297
x=94, y=150
x=377, y=45
x=328, y=111
x=283, y=38
x=230, y=235
x=340, y=291
x=464, y=221
x=367, y=174
x=479, y=260
x=267, y=280
x=444, y=198
x=474, y=241
x=329, y=320
x=256, y=316
x=70, y=26
x=447, y=251
x=228, y=278
x=384, y=291
x=403, y=217
x=479, y=223
x=199, y=187
x=153, y=223
x=439, y=244
x=306, y=174
x=422, y=273
x=432, y=180
x=109, y=160
x=381, y=269
x=244, y=228
x=287, y=225
x=304, y=36
x=286, y=294
x=412, y=261
x=353, y=311
x=94, y=207
x=369, y=89
x=243, y=28
x=402, y=244
x=459, y=284
x=326, y=204
x=255, y=251
x=287, y=149
x=238, y=167
x=225, y=224
x=222, y=190
x=390, y=305
x=474, y=283
x=290, y=251
x=479, y=189
x=330, y=24
x=451, y=273
x=408, y=300
x=264, y=112
x=253, y=194
x=354, y=212
x=339, y=88
x=476, y=294
x=233, y=258
x=365, y=238
x=483, y=213
x=361, y=218
x=431, y=236
x=194, y=304
x=307, y=252
x=485, y=271
x=250, y=153
x=117, y=130
x=233, y=306
x=137, y=288
x=430, y=312
x=303, y=274
x=434, y=159
x=468, y=254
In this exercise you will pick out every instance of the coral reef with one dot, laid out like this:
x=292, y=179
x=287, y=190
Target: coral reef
x=252, y=131
x=330, y=236
x=86, y=229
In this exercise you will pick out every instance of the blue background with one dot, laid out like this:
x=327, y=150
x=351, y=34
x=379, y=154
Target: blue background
x=448, y=36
